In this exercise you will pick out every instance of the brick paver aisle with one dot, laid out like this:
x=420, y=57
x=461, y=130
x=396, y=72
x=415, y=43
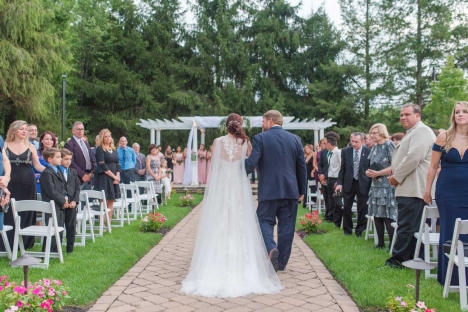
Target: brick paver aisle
x=153, y=284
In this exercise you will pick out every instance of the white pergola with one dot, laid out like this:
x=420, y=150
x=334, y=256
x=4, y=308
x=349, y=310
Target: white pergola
x=202, y=123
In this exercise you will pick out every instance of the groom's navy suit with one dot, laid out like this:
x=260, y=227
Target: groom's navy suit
x=279, y=159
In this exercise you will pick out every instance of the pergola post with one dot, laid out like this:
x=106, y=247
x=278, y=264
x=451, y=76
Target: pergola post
x=202, y=140
x=194, y=156
x=316, y=137
x=152, y=136
x=321, y=133
x=158, y=137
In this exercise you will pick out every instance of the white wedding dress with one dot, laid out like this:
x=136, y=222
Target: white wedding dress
x=230, y=258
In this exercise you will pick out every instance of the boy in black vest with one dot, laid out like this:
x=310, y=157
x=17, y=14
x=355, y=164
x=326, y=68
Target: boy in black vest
x=73, y=192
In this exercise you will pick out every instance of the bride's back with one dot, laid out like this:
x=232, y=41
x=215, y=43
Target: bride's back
x=229, y=148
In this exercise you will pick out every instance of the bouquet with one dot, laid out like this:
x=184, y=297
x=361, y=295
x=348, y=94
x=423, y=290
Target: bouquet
x=179, y=161
x=152, y=222
x=202, y=158
x=310, y=222
x=168, y=171
x=407, y=303
x=186, y=200
x=45, y=294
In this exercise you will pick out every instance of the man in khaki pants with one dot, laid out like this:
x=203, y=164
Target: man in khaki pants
x=410, y=163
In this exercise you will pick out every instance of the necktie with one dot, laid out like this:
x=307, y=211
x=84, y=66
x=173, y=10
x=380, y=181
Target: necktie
x=85, y=154
x=65, y=174
x=356, y=165
x=139, y=160
x=124, y=154
x=329, y=156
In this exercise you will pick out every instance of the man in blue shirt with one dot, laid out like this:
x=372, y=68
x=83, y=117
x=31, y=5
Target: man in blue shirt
x=32, y=130
x=127, y=159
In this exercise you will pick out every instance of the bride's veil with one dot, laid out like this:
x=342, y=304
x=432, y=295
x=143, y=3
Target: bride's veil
x=228, y=230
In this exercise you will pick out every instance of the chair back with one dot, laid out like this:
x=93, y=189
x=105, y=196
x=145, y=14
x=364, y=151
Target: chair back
x=133, y=189
x=311, y=183
x=96, y=194
x=33, y=205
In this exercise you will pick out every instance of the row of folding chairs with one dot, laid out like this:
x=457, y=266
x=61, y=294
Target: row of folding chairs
x=92, y=209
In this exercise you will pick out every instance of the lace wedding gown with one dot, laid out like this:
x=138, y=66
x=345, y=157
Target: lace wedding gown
x=230, y=258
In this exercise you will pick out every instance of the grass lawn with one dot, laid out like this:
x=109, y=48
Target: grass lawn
x=359, y=267
x=92, y=269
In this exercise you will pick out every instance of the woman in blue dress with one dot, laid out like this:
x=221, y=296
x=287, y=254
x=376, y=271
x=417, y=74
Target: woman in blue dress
x=451, y=193
x=47, y=140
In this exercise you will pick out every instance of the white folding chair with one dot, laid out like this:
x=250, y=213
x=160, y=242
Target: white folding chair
x=133, y=200
x=150, y=196
x=84, y=219
x=49, y=231
x=102, y=213
x=395, y=226
x=121, y=208
x=311, y=195
x=457, y=257
x=371, y=232
x=427, y=235
x=6, y=242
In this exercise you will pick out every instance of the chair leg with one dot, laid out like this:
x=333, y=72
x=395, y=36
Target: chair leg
x=47, y=250
x=448, y=278
x=427, y=258
x=393, y=241
x=6, y=242
x=59, y=246
x=368, y=227
x=461, y=277
x=14, y=254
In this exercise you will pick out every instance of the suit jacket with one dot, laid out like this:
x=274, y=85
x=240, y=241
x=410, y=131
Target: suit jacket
x=346, y=175
x=142, y=158
x=323, y=163
x=78, y=161
x=279, y=159
x=53, y=187
x=411, y=159
x=73, y=186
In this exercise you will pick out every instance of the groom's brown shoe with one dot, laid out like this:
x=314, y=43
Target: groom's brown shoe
x=274, y=254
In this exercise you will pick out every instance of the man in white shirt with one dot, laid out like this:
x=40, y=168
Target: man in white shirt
x=334, y=166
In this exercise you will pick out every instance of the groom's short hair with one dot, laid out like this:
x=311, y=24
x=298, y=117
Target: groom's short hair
x=275, y=116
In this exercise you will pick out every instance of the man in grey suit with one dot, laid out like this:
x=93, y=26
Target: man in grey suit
x=140, y=164
x=279, y=159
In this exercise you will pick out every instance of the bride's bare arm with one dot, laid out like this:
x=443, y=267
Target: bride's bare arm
x=249, y=148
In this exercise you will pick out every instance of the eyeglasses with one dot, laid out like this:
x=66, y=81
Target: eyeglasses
x=79, y=129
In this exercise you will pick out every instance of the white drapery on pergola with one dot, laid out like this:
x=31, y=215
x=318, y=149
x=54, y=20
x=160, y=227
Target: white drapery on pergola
x=196, y=123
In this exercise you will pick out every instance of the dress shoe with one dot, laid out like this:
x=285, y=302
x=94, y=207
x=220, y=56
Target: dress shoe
x=394, y=264
x=274, y=254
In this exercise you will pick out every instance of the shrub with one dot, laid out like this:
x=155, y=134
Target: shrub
x=407, y=303
x=186, y=200
x=152, y=222
x=310, y=222
x=44, y=295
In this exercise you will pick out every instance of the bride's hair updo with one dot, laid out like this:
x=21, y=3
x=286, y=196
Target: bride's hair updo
x=234, y=126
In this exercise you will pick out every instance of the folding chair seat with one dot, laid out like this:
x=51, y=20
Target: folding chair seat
x=457, y=257
x=121, y=209
x=133, y=200
x=311, y=195
x=84, y=220
x=49, y=231
x=102, y=213
x=6, y=242
x=149, y=196
x=427, y=235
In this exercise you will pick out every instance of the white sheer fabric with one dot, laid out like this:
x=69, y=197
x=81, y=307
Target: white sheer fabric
x=230, y=258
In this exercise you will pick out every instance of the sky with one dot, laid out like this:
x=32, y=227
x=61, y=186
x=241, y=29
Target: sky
x=332, y=8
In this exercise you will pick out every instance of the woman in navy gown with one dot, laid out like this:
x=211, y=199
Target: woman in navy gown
x=451, y=194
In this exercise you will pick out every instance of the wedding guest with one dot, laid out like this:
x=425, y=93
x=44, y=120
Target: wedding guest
x=451, y=192
x=47, y=140
x=354, y=183
x=208, y=163
x=179, y=166
x=323, y=176
x=83, y=160
x=382, y=201
x=22, y=186
x=309, y=159
x=202, y=164
x=109, y=169
x=410, y=164
x=5, y=173
x=165, y=178
x=334, y=166
x=32, y=130
x=127, y=159
x=152, y=169
x=396, y=138
x=169, y=157
x=160, y=154
x=140, y=164
x=318, y=154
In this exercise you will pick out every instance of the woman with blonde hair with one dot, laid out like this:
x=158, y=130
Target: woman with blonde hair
x=382, y=201
x=449, y=150
x=23, y=157
x=108, y=169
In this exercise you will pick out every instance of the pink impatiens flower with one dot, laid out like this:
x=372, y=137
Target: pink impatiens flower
x=58, y=282
x=20, y=290
x=46, y=282
x=421, y=305
x=404, y=304
x=398, y=298
x=19, y=304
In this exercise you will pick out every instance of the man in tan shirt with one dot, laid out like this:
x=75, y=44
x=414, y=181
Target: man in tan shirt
x=410, y=163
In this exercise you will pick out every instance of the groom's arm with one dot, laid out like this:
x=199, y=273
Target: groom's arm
x=254, y=158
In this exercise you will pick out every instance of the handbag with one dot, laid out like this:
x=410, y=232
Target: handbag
x=376, y=167
x=4, y=208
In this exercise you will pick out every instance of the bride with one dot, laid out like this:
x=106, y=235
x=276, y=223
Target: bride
x=230, y=257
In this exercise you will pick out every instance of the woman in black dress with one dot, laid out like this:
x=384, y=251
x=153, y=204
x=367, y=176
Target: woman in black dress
x=309, y=158
x=169, y=156
x=22, y=156
x=108, y=169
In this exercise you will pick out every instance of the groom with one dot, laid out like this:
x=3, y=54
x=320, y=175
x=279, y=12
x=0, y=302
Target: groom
x=279, y=159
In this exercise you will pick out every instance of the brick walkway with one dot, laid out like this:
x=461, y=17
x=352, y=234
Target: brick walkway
x=153, y=284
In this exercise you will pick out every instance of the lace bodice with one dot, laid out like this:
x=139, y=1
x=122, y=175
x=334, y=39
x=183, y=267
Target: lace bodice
x=231, y=148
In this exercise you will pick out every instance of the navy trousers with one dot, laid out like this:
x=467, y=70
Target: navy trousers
x=285, y=210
